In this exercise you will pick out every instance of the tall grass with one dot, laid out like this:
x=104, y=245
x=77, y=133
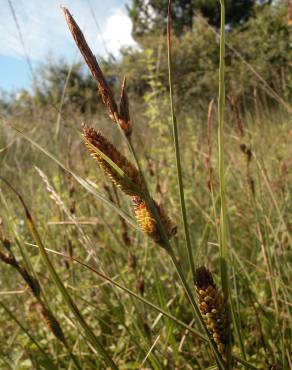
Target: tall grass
x=153, y=299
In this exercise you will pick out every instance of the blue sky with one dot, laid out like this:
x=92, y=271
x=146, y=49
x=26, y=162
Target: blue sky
x=46, y=35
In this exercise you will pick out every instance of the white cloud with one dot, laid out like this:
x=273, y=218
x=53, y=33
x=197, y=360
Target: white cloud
x=117, y=32
x=45, y=31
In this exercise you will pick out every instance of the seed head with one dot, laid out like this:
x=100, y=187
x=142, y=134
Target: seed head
x=31, y=282
x=213, y=309
x=9, y=259
x=103, y=87
x=147, y=222
x=120, y=116
x=124, y=117
x=96, y=139
x=52, y=323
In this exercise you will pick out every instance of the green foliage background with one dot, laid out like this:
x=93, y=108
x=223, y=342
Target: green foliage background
x=79, y=224
x=263, y=41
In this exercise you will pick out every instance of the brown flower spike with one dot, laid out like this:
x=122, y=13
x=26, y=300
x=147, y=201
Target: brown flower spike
x=147, y=222
x=52, y=323
x=103, y=87
x=96, y=139
x=124, y=117
x=213, y=309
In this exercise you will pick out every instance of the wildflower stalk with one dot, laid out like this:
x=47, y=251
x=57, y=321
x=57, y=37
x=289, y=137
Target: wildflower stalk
x=177, y=149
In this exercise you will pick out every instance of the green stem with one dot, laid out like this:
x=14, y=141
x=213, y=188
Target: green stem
x=73, y=357
x=221, y=108
x=177, y=149
x=223, y=212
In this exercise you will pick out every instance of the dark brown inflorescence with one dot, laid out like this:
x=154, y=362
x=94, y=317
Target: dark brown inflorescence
x=213, y=309
x=122, y=115
x=103, y=87
x=96, y=139
x=147, y=222
x=52, y=323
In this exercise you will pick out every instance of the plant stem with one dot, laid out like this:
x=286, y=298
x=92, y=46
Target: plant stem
x=177, y=149
x=223, y=210
x=221, y=108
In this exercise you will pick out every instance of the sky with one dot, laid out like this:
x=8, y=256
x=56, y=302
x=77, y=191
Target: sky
x=105, y=24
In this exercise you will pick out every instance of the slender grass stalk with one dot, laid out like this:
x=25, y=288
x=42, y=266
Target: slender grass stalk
x=223, y=230
x=273, y=198
x=223, y=210
x=177, y=148
x=66, y=296
x=221, y=109
x=59, y=116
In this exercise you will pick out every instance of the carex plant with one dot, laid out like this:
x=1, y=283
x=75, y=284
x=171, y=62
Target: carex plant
x=211, y=307
x=89, y=322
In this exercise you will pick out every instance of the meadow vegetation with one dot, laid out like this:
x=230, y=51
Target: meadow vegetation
x=96, y=270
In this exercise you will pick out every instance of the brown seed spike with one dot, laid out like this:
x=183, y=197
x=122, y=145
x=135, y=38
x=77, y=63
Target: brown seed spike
x=125, y=119
x=204, y=278
x=8, y=259
x=31, y=282
x=52, y=323
x=213, y=309
x=104, y=89
x=96, y=139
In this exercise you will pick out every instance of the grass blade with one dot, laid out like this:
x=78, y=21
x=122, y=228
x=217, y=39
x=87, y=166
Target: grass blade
x=66, y=296
x=177, y=148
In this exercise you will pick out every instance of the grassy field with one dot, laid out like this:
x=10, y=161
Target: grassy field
x=83, y=285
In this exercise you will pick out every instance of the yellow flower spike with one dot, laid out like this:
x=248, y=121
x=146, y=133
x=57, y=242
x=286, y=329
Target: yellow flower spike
x=213, y=309
x=147, y=222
